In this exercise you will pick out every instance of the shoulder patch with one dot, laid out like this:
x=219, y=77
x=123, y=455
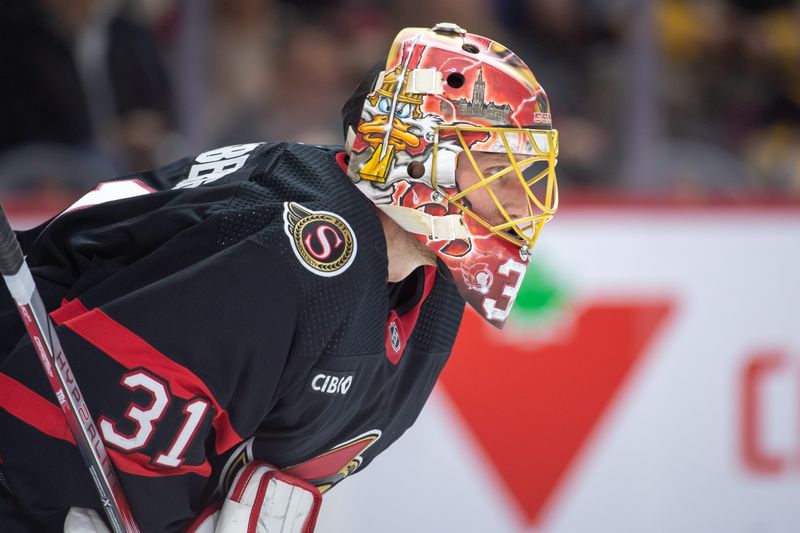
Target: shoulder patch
x=324, y=242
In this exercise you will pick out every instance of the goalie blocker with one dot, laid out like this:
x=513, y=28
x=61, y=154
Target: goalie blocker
x=261, y=500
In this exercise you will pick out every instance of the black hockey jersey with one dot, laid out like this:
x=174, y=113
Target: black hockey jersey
x=223, y=308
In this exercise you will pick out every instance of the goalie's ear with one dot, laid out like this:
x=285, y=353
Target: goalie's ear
x=263, y=500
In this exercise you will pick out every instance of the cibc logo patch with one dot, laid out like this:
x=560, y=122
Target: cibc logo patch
x=333, y=383
x=324, y=242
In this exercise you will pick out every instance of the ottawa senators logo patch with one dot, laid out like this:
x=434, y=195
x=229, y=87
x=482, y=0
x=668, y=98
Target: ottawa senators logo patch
x=324, y=242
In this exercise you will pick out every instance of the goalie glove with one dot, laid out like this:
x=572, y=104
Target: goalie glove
x=263, y=500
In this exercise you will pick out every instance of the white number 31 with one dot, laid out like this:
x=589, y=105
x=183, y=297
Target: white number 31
x=145, y=418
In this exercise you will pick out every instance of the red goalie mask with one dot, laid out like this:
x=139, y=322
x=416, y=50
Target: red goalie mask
x=455, y=143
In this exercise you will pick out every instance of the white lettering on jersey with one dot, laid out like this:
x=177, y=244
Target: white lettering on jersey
x=331, y=384
x=215, y=164
x=145, y=419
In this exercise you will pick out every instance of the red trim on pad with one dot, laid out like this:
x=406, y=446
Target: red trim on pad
x=210, y=510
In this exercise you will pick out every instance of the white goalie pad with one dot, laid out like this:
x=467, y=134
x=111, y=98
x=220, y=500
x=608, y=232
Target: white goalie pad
x=264, y=500
x=83, y=520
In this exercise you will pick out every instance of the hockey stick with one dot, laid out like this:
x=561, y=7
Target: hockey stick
x=19, y=281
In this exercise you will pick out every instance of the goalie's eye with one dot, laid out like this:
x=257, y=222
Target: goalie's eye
x=384, y=105
x=491, y=171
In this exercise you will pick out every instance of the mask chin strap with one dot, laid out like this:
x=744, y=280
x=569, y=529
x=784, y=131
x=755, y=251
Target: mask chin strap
x=443, y=228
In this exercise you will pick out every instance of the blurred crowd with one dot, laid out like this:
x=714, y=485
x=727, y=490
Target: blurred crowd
x=679, y=97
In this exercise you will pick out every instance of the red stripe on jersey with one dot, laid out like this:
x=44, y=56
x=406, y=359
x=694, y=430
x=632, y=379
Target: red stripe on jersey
x=21, y=402
x=131, y=351
x=68, y=311
x=139, y=465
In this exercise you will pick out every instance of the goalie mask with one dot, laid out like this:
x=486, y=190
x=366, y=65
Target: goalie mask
x=453, y=140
